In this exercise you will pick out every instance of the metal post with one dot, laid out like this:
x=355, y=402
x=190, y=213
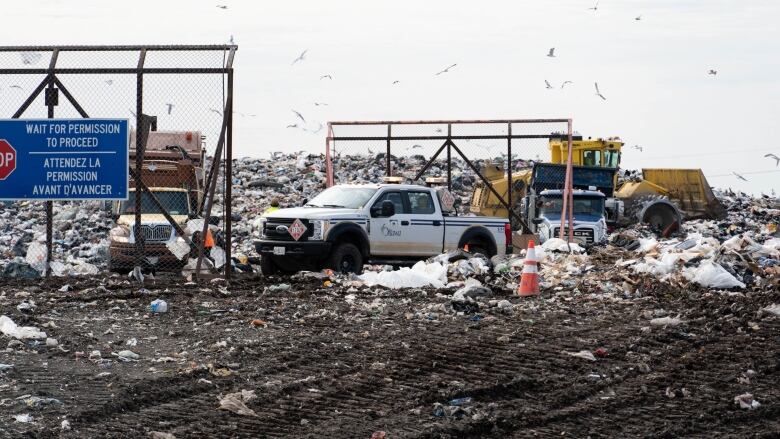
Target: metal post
x=140, y=144
x=229, y=178
x=328, y=158
x=449, y=157
x=509, y=171
x=387, y=156
x=51, y=101
x=570, y=170
x=567, y=213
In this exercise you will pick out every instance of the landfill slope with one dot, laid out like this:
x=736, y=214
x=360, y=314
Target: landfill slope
x=349, y=360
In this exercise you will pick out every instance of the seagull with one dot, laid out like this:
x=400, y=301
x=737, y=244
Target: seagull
x=638, y=18
x=638, y=147
x=170, y=107
x=326, y=76
x=292, y=125
x=29, y=58
x=17, y=86
x=566, y=82
x=548, y=85
x=712, y=72
x=740, y=177
x=598, y=93
x=551, y=53
x=595, y=7
x=300, y=57
x=222, y=6
x=777, y=159
x=109, y=81
x=319, y=104
x=232, y=41
x=214, y=110
x=396, y=82
x=299, y=115
x=446, y=70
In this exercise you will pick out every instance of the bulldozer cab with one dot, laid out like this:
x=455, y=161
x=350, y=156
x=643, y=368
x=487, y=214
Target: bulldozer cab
x=604, y=153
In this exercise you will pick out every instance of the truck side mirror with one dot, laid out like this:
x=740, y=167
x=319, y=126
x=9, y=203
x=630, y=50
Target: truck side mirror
x=388, y=208
x=537, y=221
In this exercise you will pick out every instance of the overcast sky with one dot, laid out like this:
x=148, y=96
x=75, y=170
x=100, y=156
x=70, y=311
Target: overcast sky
x=653, y=71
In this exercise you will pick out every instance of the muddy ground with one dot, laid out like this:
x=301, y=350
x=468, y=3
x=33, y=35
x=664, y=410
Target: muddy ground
x=330, y=365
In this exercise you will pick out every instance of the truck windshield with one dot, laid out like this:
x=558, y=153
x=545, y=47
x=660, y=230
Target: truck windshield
x=176, y=203
x=582, y=206
x=343, y=197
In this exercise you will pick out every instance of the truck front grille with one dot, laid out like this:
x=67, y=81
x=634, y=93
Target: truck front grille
x=157, y=232
x=583, y=234
x=270, y=233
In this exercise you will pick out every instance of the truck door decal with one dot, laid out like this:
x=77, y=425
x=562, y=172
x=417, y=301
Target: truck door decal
x=387, y=231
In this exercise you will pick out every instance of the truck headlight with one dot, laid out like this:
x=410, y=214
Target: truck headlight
x=120, y=234
x=261, y=225
x=319, y=227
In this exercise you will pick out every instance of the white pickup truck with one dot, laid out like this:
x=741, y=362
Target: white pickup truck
x=347, y=225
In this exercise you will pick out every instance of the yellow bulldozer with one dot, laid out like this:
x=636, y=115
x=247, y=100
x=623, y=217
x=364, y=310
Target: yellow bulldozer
x=662, y=198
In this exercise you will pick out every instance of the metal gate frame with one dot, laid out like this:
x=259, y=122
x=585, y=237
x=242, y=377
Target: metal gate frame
x=448, y=144
x=53, y=85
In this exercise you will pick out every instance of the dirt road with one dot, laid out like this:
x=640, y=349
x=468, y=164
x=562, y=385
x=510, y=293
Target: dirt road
x=347, y=362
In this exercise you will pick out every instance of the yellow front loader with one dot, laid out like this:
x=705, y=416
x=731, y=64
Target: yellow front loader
x=660, y=197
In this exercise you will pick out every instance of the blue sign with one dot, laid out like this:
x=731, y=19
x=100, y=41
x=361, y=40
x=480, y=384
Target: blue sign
x=64, y=159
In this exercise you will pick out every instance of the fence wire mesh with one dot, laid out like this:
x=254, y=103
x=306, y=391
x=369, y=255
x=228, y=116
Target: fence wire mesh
x=180, y=96
x=471, y=157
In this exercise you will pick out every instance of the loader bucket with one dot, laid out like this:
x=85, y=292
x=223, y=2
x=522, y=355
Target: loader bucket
x=689, y=189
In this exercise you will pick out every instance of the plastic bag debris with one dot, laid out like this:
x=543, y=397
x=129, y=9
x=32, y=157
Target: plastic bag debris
x=159, y=306
x=710, y=274
x=178, y=247
x=559, y=245
x=666, y=321
x=36, y=256
x=420, y=275
x=746, y=401
x=772, y=309
x=9, y=328
x=235, y=402
x=23, y=418
x=585, y=355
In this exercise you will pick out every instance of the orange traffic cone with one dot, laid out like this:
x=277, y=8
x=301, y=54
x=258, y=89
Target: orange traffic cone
x=529, y=279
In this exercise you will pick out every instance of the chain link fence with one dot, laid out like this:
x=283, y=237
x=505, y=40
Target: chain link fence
x=472, y=158
x=176, y=215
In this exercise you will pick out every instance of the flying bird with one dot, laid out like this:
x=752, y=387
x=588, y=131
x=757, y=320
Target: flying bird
x=17, y=86
x=292, y=125
x=551, y=53
x=598, y=93
x=326, y=76
x=396, y=82
x=301, y=57
x=566, y=82
x=446, y=70
x=739, y=176
x=299, y=115
x=595, y=7
x=214, y=110
x=638, y=147
x=222, y=6
x=109, y=81
x=547, y=84
x=29, y=58
x=638, y=18
x=712, y=72
x=772, y=156
x=170, y=107
x=320, y=104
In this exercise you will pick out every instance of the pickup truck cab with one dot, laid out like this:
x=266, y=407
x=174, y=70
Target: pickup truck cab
x=590, y=224
x=346, y=226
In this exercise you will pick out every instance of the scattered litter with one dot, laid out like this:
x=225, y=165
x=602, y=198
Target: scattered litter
x=666, y=321
x=746, y=401
x=158, y=306
x=9, y=328
x=235, y=402
x=586, y=355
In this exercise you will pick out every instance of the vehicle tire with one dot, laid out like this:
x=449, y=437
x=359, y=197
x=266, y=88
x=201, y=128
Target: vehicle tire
x=267, y=266
x=345, y=258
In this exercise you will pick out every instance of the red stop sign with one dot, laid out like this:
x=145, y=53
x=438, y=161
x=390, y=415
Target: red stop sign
x=7, y=159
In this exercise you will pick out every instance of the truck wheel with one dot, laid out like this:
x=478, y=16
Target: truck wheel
x=346, y=258
x=267, y=266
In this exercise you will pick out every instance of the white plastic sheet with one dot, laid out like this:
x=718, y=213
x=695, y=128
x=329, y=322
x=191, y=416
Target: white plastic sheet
x=420, y=275
x=219, y=256
x=9, y=328
x=36, y=256
x=558, y=244
x=710, y=274
x=179, y=248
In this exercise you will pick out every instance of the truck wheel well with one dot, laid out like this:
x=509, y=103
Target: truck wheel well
x=353, y=237
x=479, y=238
